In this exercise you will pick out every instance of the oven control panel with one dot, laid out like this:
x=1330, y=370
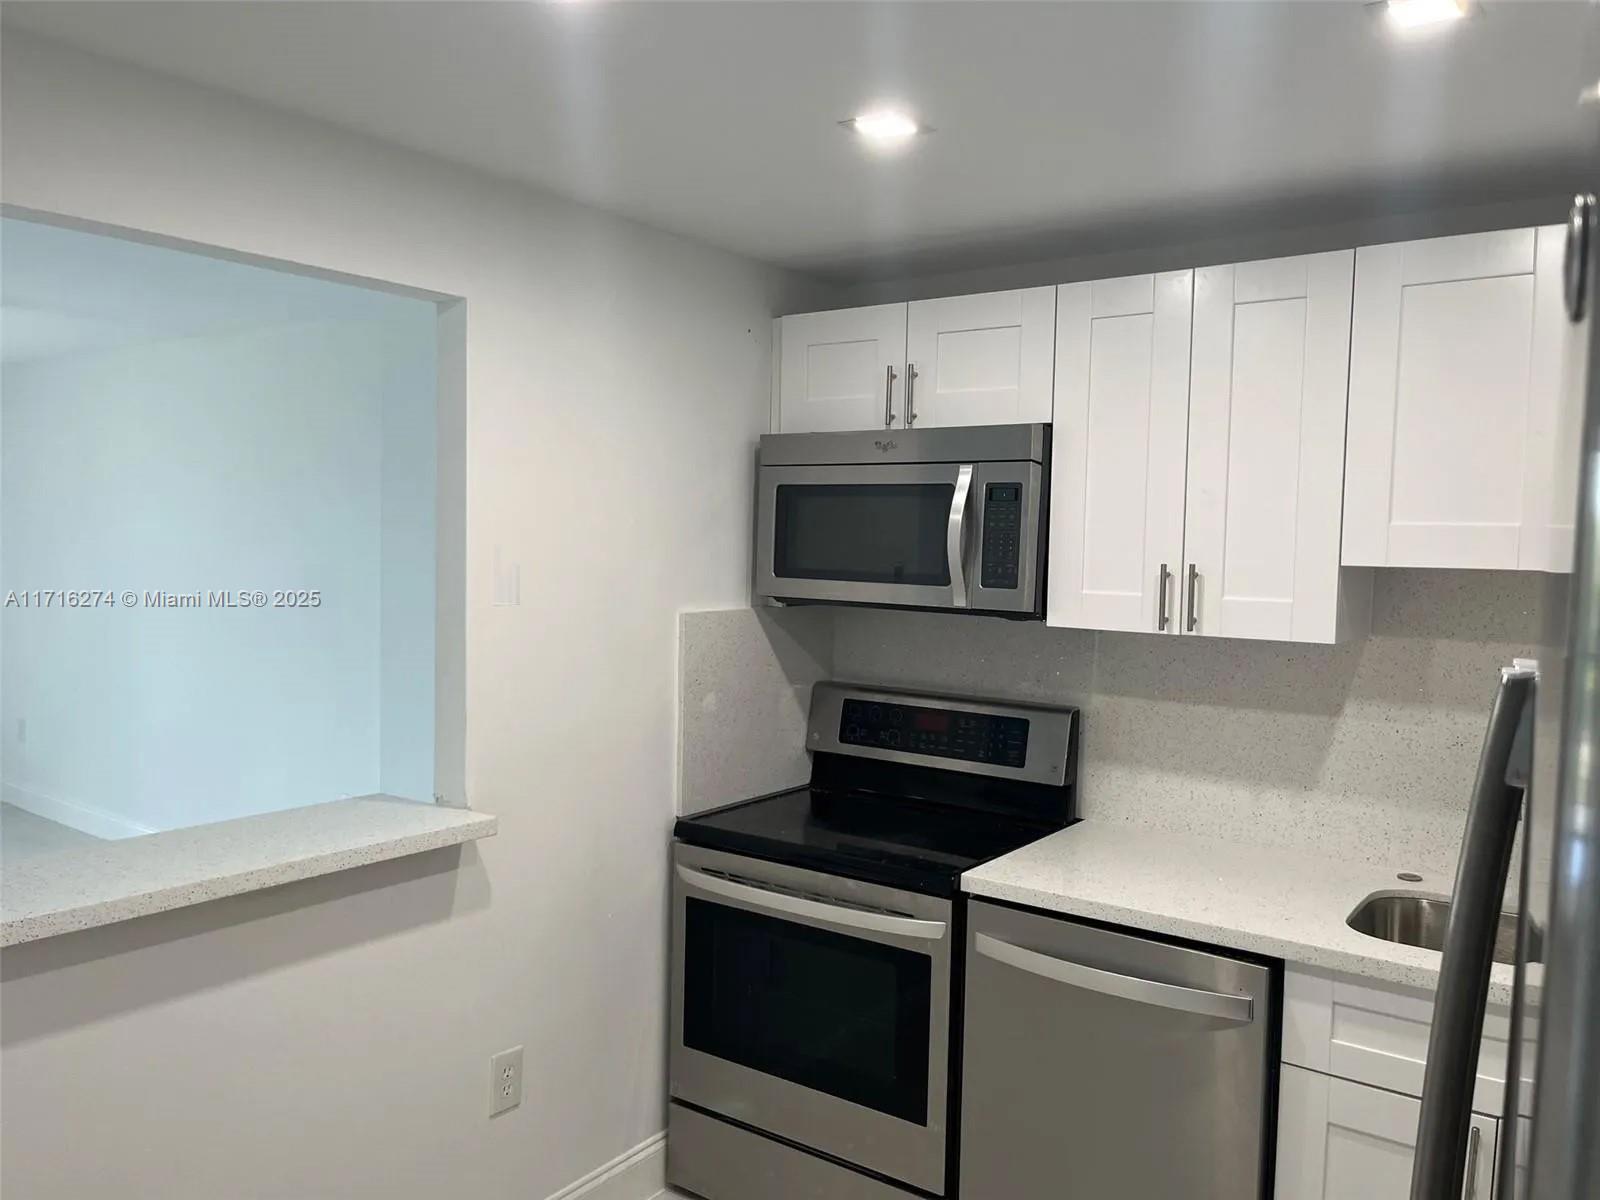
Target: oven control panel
x=1002, y=534
x=940, y=732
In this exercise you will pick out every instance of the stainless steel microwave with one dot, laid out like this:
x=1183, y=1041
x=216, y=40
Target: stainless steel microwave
x=911, y=518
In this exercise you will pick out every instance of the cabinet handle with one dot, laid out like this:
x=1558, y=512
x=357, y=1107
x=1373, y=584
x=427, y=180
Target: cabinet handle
x=1194, y=596
x=888, y=398
x=1162, y=620
x=911, y=394
x=1473, y=1139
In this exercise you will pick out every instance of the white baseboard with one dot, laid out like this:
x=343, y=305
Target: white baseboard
x=637, y=1174
x=85, y=818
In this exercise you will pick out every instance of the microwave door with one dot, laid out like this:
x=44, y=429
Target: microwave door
x=895, y=534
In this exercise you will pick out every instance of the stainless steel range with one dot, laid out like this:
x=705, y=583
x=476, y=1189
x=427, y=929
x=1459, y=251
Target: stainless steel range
x=815, y=936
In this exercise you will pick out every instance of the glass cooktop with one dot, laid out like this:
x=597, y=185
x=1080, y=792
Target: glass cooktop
x=918, y=845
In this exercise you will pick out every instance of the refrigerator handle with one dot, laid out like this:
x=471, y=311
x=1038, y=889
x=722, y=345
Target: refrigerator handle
x=1440, y=1164
x=1520, y=772
x=1504, y=1184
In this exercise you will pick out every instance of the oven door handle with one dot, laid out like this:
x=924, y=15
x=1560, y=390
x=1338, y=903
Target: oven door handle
x=812, y=910
x=955, y=538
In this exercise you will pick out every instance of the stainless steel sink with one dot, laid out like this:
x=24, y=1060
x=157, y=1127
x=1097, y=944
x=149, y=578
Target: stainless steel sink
x=1414, y=920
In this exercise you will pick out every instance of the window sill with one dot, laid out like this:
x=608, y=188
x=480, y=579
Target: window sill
x=134, y=877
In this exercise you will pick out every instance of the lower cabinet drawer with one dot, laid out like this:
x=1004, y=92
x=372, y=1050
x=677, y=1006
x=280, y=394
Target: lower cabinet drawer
x=1376, y=1035
x=1339, y=1140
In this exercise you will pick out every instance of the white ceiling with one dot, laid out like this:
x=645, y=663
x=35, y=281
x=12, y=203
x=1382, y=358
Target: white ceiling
x=64, y=291
x=1054, y=122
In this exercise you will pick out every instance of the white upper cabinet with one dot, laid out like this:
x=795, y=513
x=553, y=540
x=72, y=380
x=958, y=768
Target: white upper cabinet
x=980, y=360
x=1464, y=399
x=1265, y=478
x=842, y=369
x=1198, y=457
x=1233, y=444
x=1121, y=423
x=965, y=360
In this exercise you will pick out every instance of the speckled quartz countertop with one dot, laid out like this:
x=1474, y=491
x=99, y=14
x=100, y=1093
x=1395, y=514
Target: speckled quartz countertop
x=111, y=881
x=1280, y=903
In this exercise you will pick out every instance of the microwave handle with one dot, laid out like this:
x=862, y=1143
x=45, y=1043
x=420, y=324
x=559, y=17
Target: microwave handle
x=955, y=539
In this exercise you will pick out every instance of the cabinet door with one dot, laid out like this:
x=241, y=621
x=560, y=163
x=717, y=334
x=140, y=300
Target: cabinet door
x=1121, y=427
x=1459, y=409
x=1266, y=448
x=842, y=369
x=981, y=360
x=1339, y=1140
x=1377, y=1035
x=1556, y=389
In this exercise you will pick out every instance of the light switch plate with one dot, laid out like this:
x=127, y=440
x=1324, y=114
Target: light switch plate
x=505, y=1080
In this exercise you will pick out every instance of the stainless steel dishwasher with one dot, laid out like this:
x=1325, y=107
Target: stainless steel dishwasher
x=1100, y=1065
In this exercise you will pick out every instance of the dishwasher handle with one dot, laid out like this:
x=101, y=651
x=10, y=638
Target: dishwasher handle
x=1225, y=1006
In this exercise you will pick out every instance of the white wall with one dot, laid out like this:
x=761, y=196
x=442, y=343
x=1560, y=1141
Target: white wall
x=1141, y=250
x=295, y=457
x=408, y=560
x=333, y=1040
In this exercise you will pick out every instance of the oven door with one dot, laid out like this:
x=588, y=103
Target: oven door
x=813, y=1008
x=910, y=534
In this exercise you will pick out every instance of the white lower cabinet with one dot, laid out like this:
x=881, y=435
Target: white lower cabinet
x=1353, y=1060
x=1339, y=1140
x=1355, y=1029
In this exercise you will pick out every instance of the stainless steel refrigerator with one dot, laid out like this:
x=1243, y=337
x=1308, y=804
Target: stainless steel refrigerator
x=1539, y=769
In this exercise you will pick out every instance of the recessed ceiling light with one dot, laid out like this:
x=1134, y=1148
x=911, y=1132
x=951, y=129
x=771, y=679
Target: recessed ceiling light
x=883, y=125
x=1411, y=14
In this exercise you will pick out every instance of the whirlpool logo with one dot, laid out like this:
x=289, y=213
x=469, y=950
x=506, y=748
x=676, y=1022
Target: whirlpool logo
x=891, y=444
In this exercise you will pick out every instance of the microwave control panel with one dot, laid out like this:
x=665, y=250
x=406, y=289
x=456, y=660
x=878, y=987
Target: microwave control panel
x=940, y=732
x=1002, y=535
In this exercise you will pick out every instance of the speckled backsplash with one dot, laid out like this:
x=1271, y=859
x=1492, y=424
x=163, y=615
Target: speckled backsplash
x=1361, y=751
x=744, y=692
x=1365, y=750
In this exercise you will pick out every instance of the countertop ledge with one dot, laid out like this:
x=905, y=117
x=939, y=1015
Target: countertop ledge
x=86, y=887
x=1279, y=903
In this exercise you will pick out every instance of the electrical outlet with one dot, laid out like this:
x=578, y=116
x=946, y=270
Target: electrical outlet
x=505, y=1080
